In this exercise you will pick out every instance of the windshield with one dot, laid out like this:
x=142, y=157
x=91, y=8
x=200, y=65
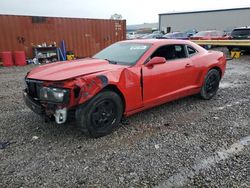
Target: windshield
x=168, y=35
x=242, y=32
x=201, y=34
x=123, y=53
x=151, y=36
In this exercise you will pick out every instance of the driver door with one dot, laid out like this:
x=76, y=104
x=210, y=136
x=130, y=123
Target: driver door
x=170, y=80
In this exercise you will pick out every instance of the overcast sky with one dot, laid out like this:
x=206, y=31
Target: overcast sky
x=135, y=12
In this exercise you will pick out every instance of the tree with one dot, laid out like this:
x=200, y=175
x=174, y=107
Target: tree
x=116, y=16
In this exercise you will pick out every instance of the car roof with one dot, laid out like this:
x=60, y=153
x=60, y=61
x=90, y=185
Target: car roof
x=162, y=42
x=177, y=32
x=209, y=31
x=246, y=27
x=158, y=41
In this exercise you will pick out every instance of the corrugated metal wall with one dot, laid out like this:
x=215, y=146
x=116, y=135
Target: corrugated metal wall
x=82, y=36
x=226, y=19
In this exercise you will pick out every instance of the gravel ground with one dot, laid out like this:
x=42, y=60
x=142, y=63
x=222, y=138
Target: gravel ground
x=185, y=143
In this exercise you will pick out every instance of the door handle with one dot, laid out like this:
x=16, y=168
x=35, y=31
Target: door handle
x=188, y=65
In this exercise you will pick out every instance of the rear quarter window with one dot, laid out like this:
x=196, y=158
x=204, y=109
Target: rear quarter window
x=191, y=51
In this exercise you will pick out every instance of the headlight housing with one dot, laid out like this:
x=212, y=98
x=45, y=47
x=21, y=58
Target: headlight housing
x=56, y=95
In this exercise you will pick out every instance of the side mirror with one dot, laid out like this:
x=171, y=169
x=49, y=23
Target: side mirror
x=155, y=61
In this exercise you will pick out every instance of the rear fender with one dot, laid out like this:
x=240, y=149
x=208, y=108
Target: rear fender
x=217, y=60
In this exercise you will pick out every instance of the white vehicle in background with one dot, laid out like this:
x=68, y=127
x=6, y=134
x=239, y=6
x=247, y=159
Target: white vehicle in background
x=131, y=35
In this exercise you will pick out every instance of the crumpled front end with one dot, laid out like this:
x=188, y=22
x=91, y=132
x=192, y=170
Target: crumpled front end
x=45, y=100
x=54, y=100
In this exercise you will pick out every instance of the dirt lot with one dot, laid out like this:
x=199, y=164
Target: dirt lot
x=186, y=143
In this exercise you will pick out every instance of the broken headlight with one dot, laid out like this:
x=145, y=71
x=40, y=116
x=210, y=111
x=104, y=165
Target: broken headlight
x=54, y=94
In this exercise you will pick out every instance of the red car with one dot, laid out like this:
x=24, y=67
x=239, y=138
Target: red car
x=123, y=79
x=210, y=35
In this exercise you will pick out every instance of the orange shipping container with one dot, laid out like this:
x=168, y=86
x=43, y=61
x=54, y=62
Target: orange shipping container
x=83, y=36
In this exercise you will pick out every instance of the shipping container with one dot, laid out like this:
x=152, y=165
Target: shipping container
x=83, y=36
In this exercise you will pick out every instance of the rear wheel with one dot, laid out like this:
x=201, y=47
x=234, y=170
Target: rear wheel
x=210, y=85
x=101, y=114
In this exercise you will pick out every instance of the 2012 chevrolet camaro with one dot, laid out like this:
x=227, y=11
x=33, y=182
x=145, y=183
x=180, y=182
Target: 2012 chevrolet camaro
x=123, y=79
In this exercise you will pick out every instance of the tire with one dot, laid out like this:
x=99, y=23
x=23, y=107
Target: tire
x=100, y=115
x=210, y=85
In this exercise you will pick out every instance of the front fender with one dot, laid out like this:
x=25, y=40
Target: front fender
x=127, y=81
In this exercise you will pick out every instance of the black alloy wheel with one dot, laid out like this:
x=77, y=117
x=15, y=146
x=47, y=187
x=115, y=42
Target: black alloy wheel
x=100, y=115
x=210, y=85
x=103, y=114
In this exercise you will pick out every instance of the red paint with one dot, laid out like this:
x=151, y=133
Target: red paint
x=19, y=58
x=210, y=35
x=141, y=85
x=7, y=59
x=71, y=69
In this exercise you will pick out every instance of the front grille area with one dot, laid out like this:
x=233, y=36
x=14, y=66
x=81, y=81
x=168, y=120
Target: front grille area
x=33, y=88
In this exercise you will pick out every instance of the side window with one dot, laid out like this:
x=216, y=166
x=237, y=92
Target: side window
x=178, y=35
x=191, y=51
x=170, y=52
x=221, y=34
x=213, y=34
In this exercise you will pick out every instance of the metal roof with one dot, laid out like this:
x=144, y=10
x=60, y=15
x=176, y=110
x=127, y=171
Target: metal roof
x=205, y=11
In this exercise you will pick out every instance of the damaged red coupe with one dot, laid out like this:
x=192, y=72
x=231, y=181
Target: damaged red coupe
x=123, y=79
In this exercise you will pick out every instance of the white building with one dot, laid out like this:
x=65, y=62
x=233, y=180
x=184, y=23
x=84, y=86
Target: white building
x=224, y=20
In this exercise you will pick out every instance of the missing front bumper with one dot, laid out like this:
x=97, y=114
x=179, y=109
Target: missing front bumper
x=35, y=107
x=59, y=114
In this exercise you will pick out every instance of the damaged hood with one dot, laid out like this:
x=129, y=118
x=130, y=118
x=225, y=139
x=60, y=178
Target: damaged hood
x=70, y=69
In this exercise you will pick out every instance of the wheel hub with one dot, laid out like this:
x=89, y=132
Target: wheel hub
x=103, y=114
x=212, y=84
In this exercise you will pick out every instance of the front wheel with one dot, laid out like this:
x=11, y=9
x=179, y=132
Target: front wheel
x=101, y=114
x=210, y=84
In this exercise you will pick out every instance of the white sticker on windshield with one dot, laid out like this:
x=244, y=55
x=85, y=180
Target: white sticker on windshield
x=138, y=47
